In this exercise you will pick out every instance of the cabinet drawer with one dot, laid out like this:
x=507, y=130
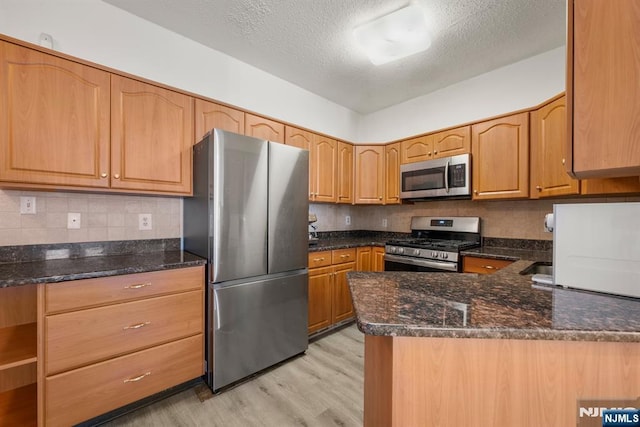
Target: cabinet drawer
x=338, y=256
x=87, y=392
x=105, y=290
x=81, y=337
x=319, y=259
x=481, y=265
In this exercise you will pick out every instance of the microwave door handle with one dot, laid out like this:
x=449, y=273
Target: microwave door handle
x=446, y=176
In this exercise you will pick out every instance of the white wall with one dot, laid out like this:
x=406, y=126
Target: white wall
x=101, y=33
x=516, y=86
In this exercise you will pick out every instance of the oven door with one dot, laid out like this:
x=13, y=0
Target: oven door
x=404, y=263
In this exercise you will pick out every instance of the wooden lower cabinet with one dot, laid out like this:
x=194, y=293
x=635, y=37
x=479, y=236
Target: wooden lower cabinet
x=480, y=265
x=329, y=296
x=370, y=258
x=109, y=342
x=18, y=356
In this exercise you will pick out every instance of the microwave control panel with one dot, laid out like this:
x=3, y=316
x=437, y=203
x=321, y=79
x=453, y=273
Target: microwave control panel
x=457, y=175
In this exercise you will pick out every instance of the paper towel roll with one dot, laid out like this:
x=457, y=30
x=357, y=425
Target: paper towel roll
x=549, y=222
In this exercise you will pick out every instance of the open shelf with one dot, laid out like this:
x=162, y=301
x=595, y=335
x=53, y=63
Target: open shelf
x=17, y=346
x=18, y=407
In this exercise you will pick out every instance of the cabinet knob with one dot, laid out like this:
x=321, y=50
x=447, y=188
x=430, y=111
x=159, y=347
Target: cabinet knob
x=103, y=175
x=380, y=198
x=475, y=191
x=116, y=176
x=435, y=151
x=538, y=188
x=563, y=161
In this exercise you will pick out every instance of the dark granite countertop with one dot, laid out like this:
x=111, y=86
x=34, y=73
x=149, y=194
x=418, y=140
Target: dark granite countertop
x=510, y=254
x=107, y=262
x=501, y=305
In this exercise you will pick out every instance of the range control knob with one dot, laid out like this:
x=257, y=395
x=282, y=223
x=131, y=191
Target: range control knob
x=444, y=255
x=417, y=252
x=434, y=254
x=400, y=250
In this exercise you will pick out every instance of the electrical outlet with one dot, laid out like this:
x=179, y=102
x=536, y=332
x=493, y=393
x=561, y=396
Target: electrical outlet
x=347, y=219
x=46, y=40
x=73, y=220
x=145, y=222
x=384, y=222
x=27, y=205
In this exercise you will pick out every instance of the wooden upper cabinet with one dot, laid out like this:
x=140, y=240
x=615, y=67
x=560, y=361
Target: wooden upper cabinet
x=416, y=149
x=298, y=137
x=262, y=128
x=500, y=157
x=151, y=137
x=452, y=142
x=345, y=172
x=392, y=174
x=210, y=115
x=548, y=143
x=323, y=169
x=604, y=186
x=369, y=174
x=602, y=88
x=54, y=120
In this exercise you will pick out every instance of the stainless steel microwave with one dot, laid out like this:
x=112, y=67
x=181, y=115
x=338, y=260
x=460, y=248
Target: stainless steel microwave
x=437, y=178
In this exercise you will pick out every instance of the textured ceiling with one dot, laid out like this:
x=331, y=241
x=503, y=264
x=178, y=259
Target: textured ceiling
x=309, y=42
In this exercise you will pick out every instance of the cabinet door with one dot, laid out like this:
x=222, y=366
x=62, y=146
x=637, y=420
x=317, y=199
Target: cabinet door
x=262, y=128
x=364, y=258
x=392, y=174
x=500, y=151
x=378, y=259
x=345, y=172
x=151, y=137
x=369, y=177
x=602, y=87
x=324, y=165
x=548, y=143
x=342, y=303
x=623, y=185
x=297, y=137
x=320, y=294
x=210, y=115
x=416, y=149
x=54, y=120
x=452, y=142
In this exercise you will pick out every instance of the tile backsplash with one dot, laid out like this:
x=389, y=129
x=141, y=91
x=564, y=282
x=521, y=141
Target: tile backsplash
x=516, y=219
x=103, y=217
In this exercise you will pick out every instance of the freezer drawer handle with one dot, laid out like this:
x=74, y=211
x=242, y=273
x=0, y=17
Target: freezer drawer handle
x=138, y=378
x=138, y=286
x=136, y=326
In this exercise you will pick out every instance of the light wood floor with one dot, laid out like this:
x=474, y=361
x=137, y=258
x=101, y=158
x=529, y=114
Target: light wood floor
x=322, y=388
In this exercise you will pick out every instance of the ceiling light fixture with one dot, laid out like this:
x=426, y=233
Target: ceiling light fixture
x=394, y=36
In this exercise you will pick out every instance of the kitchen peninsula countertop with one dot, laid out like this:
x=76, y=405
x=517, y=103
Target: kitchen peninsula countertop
x=502, y=305
x=109, y=259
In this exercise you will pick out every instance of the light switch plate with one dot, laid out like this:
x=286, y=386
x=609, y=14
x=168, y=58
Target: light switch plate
x=27, y=205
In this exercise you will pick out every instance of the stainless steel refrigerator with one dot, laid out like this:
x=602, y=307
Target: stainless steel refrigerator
x=248, y=216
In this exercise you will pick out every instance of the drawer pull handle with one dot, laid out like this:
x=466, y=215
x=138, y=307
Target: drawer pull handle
x=489, y=267
x=138, y=286
x=136, y=326
x=318, y=259
x=138, y=378
x=344, y=256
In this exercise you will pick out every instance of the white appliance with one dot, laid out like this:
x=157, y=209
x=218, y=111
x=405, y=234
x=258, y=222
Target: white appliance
x=596, y=246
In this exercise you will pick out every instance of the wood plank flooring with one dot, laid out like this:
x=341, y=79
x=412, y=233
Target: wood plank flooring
x=322, y=388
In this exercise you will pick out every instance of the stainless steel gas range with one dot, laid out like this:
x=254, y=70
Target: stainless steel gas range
x=434, y=245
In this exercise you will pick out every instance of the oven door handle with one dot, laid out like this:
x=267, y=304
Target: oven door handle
x=448, y=266
x=446, y=177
